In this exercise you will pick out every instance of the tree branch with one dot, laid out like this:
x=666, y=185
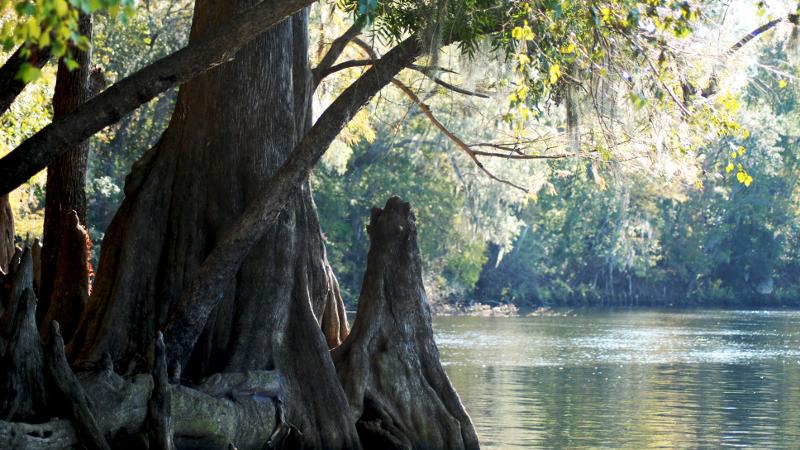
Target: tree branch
x=425, y=70
x=336, y=49
x=473, y=154
x=422, y=69
x=44, y=147
x=205, y=289
x=454, y=88
x=518, y=156
x=711, y=88
x=345, y=65
x=10, y=86
x=427, y=111
x=792, y=18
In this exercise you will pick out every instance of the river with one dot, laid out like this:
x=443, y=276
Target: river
x=641, y=379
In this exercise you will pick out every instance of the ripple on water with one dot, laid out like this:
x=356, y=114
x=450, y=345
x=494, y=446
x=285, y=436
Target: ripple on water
x=630, y=380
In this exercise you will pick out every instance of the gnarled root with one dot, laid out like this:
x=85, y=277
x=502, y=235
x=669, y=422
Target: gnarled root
x=36, y=383
x=200, y=421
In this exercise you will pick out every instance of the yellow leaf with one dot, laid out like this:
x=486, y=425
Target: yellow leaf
x=522, y=92
x=748, y=179
x=33, y=28
x=528, y=33
x=741, y=176
x=782, y=84
x=555, y=73
x=729, y=168
x=61, y=7
x=44, y=40
x=741, y=151
x=64, y=32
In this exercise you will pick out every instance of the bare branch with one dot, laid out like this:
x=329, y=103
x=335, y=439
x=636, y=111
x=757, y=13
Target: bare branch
x=346, y=65
x=453, y=88
x=335, y=50
x=455, y=139
x=518, y=156
x=425, y=70
x=792, y=18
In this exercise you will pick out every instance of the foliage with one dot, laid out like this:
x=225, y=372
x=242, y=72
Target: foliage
x=644, y=241
x=52, y=25
x=31, y=112
x=119, y=48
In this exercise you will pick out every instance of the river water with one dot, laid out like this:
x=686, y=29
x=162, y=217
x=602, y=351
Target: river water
x=642, y=379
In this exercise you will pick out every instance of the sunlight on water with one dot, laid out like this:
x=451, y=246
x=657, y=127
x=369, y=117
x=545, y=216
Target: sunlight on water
x=700, y=379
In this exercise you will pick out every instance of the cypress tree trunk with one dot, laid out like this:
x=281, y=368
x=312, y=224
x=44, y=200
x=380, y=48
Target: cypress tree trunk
x=232, y=129
x=66, y=178
x=399, y=395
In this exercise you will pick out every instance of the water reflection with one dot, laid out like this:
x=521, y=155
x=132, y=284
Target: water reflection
x=628, y=380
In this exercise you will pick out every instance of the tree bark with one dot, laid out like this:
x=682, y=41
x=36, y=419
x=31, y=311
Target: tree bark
x=26, y=394
x=66, y=180
x=389, y=365
x=72, y=397
x=47, y=145
x=159, y=410
x=232, y=129
x=73, y=269
x=6, y=233
x=10, y=85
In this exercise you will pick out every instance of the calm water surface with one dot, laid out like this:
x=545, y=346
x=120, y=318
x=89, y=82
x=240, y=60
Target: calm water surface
x=699, y=379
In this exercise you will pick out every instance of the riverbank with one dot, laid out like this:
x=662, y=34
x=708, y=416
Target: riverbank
x=511, y=310
x=505, y=310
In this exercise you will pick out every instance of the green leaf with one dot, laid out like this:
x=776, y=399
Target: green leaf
x=28, y=73
x=71, y=64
